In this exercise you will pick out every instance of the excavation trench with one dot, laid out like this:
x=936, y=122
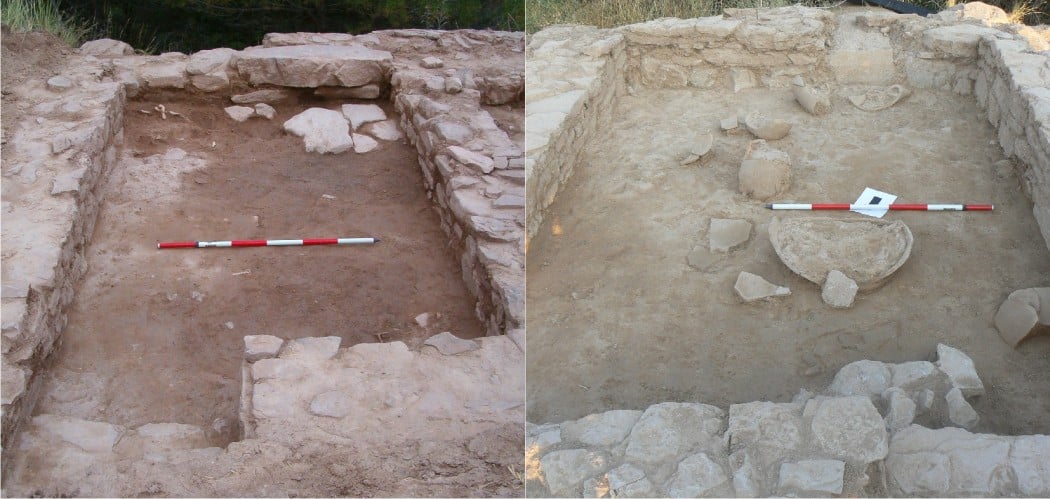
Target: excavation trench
x=630, y=306
x=119, y=355
x=157, y=335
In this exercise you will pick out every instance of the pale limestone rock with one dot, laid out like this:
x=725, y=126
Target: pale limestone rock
x=364, y=143
x=565, y=470
x=960, y=370
x=838, y=290
x=171, y=436
x=359, y=114
x=332, y=404
x=628, y=481
x=106, y=47
x=211, y=82
x=269, y=95
x=59, y=83
x=12, y=382
x=431, y=62
x=1023, y=313
x=277, y=368
x=310, y=66
x=265, y=110
x=900, y=410
x=960, y=412
x=751, y=287
x=423, y=320
x=730, y=123
x=239, y=113
x=765, y=172
x=164, y=73
x=726, y=234
x=207, y=61
x=813, y=478
x=1030, y=460
x=767, y=424
x=479, y=162
x=869, y=378
x=848, y=428
x=949, y=462
x=262, y=346
x=321, y=348
x=449, y=344
x=766, y=128
x=323, y=131
x=269, y=401
x=604, y=429
x=543, y=440
x=453, y=85
x=983, y=12
x=919, y=474
x=507, y=200
x=915, y=375
x=452, y=131
x=384, y=130
x=666, y=431
x=959, y=40
x=89, y=436
x=697, y=475
x=741, y=79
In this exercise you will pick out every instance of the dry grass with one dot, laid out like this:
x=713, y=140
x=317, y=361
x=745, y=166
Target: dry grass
x=1025, y=11
x=42, y=15
x=610, y=13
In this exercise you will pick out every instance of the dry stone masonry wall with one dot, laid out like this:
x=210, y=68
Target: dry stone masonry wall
x=969, y=50
x=56, y=163
x=315, y=416
x=880, y=429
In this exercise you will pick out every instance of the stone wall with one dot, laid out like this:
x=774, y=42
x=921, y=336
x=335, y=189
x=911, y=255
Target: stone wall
x=55, y=168
x=574, y=80
x=318, y=420
x=56, y=163
x=879, y=430
x=968, y=50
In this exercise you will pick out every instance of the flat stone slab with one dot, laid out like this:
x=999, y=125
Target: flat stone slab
x=322, y=130
x=308, y=66
x=726, y=234
x=751, y=287
x=867, y=251
x=450, y=344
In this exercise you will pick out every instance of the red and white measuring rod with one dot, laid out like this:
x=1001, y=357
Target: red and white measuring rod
x=897, y=207
x=266, y=242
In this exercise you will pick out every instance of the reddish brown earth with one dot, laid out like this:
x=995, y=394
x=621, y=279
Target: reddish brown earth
x=148, y=337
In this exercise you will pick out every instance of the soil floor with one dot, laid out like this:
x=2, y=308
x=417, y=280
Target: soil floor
x=156, y=335
x=619, y=320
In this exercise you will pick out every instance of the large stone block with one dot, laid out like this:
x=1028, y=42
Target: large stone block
x=314, y=65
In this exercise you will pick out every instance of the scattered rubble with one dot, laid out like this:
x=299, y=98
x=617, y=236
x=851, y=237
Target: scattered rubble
x=751, y=288
x=877, y=99
x=1024, y=313
x=765, y=172
x=323, y=131
x=766, y=128
x=726, y=234
x=838, y=290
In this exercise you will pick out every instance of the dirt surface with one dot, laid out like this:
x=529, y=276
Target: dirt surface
x=25, y=57
x=620, y=320
x=156, y=335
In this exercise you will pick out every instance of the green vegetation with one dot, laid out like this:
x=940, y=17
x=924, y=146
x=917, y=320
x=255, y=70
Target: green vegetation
x=192, y=25
x=610, y=13
x=43, y=15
